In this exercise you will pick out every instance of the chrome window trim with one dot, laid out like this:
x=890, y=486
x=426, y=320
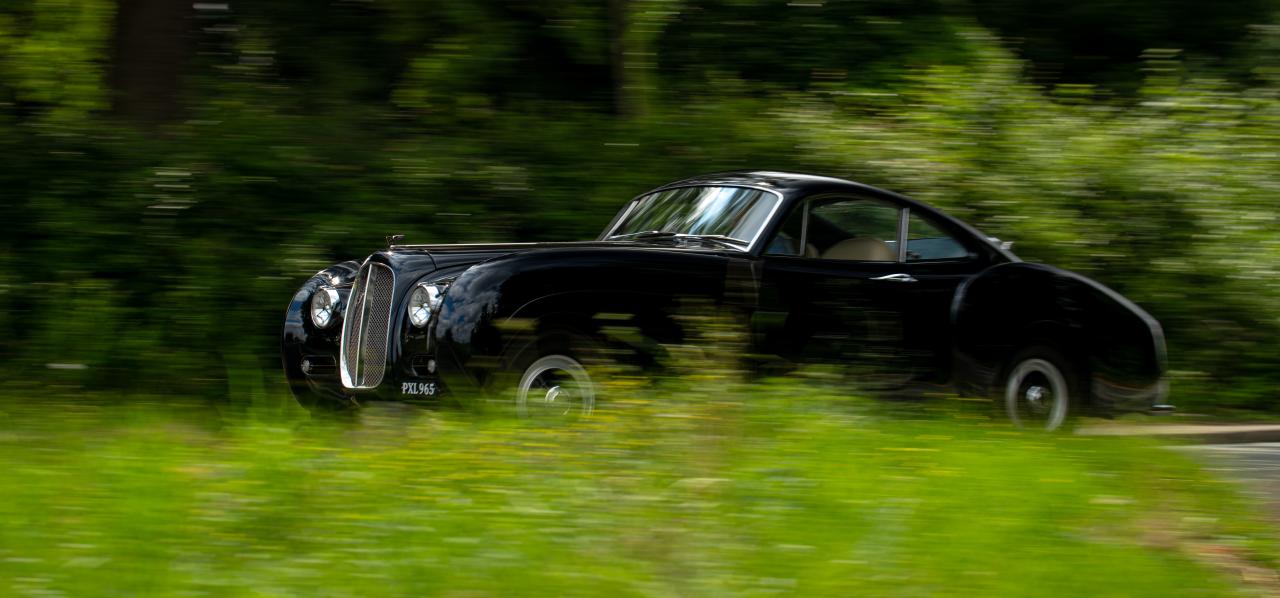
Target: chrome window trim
x=804, y=229
x=971, y=254
x=751, y=245
x=901, y=232
x=617, y=220
x=904, y=218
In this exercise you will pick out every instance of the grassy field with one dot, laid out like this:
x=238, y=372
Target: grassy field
x=775, y=490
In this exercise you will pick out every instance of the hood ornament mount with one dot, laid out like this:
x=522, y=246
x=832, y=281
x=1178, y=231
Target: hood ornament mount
x=393, y=240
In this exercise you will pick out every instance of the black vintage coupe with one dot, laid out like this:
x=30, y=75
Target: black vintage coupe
x=816, y=269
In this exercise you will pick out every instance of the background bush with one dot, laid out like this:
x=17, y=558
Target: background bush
x=170, y=177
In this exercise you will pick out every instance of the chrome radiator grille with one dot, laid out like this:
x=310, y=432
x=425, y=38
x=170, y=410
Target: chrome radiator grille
x=365, y=327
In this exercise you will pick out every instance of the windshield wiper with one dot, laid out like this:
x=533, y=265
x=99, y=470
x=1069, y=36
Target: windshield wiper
x=722, y=240
x=643, y=233
x=726, y=241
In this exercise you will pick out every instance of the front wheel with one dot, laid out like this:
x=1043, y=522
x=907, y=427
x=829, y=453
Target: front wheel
x=1039, y=389
x=555, y=386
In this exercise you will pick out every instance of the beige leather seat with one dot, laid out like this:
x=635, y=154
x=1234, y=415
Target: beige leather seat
x=860, y=249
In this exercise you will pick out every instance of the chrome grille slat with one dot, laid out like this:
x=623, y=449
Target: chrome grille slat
x=351, y=324
x=365, y=327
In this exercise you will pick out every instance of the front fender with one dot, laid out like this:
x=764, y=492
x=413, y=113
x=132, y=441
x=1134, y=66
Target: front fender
x=301, y=339
x=488, y=309
x=1117, y=344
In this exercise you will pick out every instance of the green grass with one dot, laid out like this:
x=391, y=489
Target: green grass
x=774, y=490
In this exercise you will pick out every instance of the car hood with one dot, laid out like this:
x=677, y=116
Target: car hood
x=460, y=256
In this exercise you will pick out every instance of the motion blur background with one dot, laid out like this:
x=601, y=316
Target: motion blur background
x=172, y=171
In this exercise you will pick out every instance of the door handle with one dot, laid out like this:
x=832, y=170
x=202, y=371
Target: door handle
x=896, y=278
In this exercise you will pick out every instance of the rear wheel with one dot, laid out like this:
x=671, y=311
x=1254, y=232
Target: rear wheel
x=1040, y=389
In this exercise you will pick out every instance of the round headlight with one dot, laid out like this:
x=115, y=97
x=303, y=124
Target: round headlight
x=324, y=307
x=423, y=301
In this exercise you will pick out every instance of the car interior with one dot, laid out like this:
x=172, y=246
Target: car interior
x=858, y=229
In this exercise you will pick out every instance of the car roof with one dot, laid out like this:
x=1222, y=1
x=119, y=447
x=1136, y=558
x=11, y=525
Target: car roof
x=794, y=186
x=787, y=184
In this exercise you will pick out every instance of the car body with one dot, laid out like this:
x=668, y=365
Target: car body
x=815, y=269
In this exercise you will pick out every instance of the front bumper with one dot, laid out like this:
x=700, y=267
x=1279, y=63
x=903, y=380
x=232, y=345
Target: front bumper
x=412, y=379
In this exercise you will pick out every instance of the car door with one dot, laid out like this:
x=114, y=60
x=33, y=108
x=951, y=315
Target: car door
x=831, y=290
x=936, y=260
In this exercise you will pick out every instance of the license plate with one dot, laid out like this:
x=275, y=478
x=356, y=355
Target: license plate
x=418, y=389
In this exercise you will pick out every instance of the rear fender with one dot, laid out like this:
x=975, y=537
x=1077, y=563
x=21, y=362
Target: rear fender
x=1112, y=341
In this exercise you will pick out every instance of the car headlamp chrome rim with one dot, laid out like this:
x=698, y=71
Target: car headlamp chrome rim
x=324, y=307
x=423, y=302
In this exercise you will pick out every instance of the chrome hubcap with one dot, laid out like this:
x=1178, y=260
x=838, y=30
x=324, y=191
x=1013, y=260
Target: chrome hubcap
x=1036, y=395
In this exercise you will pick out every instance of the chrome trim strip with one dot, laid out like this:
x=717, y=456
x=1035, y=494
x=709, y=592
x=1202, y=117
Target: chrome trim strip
x=347, y=318
x=613, y=225
x=364, y=324
x=386, y=327
x=904, y=220
x=768, y=220
x=804, y=229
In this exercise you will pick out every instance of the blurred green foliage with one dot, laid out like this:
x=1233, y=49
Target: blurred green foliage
x=152, y=255
x=693, y=488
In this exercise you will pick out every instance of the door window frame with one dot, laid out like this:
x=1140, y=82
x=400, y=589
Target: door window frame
x=900, y=246
x=971, y=254
x=903, y=231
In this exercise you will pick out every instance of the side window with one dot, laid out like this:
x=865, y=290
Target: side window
x=863, y=230
x=787, y=241
x=926, y=242
x=844, y=228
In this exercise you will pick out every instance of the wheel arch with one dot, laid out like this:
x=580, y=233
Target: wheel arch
x=1117, y=346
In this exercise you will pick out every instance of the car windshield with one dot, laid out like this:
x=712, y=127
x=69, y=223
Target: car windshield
x=735, y=213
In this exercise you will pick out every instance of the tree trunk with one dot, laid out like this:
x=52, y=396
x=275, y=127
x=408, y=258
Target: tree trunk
x=152, y=45
x=623, y=102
